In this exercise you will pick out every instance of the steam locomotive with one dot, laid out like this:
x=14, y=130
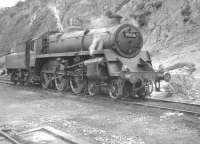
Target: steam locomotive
x=63, y=60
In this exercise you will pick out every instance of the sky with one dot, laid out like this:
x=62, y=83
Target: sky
x=8, y=3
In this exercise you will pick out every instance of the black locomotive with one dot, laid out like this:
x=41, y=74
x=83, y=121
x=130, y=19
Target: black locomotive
x=106, y=59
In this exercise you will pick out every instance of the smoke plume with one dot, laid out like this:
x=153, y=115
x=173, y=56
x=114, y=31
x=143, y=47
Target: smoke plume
x=55, y=12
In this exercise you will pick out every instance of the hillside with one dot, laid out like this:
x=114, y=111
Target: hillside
x=171, y=28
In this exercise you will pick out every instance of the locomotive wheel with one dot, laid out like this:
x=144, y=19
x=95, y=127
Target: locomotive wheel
x=22, y=79
x=149, y=87
x=29, y=80
x=61, y=83
x=142, y=92
x=21, y=82
x=127, y=90
x=92, y=89
x=14, y=78
x=77, y=84
x=46, y=80
x=116, y=88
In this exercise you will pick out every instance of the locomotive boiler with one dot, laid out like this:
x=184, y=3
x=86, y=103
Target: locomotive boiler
x=125, y=39
x=108, y=59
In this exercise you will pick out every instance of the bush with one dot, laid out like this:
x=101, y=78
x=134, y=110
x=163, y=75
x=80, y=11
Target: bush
x=140, y=6
x=157, y=4
x=20, y=4
x=142, y=18
x=144, y=10
x=184, y=86
x=186, y=13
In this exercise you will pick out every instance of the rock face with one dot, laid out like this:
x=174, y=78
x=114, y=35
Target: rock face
x=170, y=27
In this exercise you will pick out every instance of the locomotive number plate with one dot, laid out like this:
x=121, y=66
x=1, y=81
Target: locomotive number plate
x=130, y=34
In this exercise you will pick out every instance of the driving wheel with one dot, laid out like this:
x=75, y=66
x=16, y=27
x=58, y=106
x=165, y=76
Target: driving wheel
x=46, y=80
x=92, y=89
x=77, y=84
x=14, y=78
x=61, y=82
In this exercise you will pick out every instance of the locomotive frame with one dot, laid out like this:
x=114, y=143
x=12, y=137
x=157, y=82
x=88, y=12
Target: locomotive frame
x=109, y=71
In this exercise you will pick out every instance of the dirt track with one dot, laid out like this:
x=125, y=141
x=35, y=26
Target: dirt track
x=96, y=121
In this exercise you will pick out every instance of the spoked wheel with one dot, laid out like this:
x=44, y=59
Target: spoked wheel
x=92, y=89
x=14, y=78
x=29, y=80
x=77, y=84
x=61, y=82
x=46, y=80
x=142, y=92
x=116, y=88
x=128, y=90
x=139, y=89
x=22, y=79
x=149, y=87
x=21, y=82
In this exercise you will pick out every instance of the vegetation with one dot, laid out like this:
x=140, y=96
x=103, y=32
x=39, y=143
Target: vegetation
x=165, y=24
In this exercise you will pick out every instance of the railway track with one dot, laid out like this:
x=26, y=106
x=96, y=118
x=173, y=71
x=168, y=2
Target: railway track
x=5, y=80
x=193, y=109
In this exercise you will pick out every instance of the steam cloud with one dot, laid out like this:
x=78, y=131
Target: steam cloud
x=55, y=11
x=103, y=21
x=33, y=18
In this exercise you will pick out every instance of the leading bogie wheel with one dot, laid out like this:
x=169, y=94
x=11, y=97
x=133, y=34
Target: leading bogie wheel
x=142, y=92
x=116, y=89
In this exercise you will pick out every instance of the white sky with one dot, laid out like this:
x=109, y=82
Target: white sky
x=8, y=3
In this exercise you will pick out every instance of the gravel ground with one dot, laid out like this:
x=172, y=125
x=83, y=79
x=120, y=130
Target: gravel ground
x=93, y=119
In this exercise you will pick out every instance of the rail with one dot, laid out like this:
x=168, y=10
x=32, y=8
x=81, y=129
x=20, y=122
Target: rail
x=193, y=109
